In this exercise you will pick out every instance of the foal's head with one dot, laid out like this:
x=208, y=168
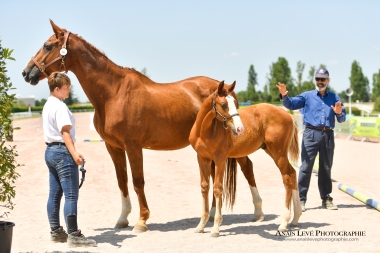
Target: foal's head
x=225, y=107
x=50, y=58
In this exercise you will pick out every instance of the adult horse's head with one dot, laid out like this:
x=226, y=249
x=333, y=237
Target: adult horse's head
x=225, y=107
x=51, y=57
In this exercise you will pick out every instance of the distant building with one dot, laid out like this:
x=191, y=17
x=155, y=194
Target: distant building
x=27, y=100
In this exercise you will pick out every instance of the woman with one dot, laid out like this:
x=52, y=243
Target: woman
x=62, y=160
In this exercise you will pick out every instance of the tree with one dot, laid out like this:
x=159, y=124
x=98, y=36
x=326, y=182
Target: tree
x=242, y=96
x=309, y=84
x=71, y=99
x=359, y=83
x=252, y=82
x=280, y=72
x=8, y=164
x=376, y=86
x=144, y=72
x=299, y=70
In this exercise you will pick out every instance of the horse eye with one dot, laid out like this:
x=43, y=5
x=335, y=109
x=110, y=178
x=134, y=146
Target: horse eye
x=224, y=106
x=48, y=47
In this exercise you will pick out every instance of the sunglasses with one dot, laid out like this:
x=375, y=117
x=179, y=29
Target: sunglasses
x=320, y=79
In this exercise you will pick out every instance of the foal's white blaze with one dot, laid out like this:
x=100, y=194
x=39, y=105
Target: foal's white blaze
x=232, y=110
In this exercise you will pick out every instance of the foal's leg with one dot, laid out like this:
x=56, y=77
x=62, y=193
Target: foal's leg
x=135, y=157
x=212, y=210
x=119, y=160
x=247, y=169
x=204, y=169
x=289, y=179
x=220, y=165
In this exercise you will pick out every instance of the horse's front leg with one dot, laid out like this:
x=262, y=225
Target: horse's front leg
x=119, y=160
x=220, y=164
x=204, y=169
x=135, y=157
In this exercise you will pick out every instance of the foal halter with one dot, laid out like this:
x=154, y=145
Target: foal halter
x=42, y=66
x=225, y=118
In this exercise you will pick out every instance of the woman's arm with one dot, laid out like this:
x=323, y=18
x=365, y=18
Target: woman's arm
x=70, y=144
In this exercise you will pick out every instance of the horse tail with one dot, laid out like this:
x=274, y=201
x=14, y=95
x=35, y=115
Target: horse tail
x=230, y=183
x=293, y=147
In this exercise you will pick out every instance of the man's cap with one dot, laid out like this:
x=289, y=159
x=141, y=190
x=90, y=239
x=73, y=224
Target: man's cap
x=322, y=72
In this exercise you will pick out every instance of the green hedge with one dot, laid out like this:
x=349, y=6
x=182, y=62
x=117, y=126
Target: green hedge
x=39, y=108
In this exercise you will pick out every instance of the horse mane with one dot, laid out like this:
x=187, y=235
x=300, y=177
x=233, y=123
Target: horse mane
x=102, y=53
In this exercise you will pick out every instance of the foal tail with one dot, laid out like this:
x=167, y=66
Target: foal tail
x=229, y=192
x=293, y=147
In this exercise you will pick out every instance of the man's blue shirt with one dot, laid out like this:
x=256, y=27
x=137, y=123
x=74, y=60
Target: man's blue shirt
x=317, y=110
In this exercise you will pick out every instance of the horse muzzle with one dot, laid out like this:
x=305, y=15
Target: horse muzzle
x=31, y=74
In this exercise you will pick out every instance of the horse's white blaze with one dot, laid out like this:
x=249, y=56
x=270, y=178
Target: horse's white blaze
x=232, y=110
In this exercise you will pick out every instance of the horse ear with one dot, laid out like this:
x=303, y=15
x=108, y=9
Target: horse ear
x=56, y=29
x=220, y=87
x=232, y=87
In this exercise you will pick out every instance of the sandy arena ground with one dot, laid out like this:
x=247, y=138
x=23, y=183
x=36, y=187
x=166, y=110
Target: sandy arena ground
x=173, y=194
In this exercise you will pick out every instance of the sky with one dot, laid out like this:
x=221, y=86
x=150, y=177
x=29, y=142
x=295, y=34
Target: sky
x=220, y=39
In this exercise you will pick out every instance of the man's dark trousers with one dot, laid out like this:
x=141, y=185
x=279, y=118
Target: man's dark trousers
x=314, y=142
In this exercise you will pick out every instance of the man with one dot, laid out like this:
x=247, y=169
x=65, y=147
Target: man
x=320, y=108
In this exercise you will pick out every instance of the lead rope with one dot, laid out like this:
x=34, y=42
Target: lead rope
x=83, y=174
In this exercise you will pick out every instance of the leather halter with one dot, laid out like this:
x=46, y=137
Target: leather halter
x=225, y=118
x=42, y=66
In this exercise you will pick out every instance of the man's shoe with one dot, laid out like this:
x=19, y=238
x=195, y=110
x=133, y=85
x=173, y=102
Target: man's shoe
x=77, y=239
x=58, y=235
x=328, y=204
x=303, y=208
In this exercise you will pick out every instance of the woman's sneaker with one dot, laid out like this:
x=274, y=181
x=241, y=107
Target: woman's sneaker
x=58, y=235
x=77, y=239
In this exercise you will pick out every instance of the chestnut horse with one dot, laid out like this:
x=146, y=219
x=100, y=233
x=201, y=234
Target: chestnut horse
x=132, y=112
x=265, y=126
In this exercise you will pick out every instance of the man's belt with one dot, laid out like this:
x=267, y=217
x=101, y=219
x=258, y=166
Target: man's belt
x=319, y=128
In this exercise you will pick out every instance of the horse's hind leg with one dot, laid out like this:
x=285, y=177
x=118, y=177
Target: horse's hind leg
x=297, y=211
x=119, y=160
x=289, y=179
x=204, y=169
x=247, y=169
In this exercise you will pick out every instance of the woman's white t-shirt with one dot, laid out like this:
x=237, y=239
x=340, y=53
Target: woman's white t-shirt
x=55, y=115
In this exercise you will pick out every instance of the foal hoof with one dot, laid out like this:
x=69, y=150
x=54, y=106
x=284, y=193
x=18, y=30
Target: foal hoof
x=282, y=229
x=214, y=235
x=197, y=230
x=120, y=225
x=258, y=218
x=293, y=225
x=140, y=228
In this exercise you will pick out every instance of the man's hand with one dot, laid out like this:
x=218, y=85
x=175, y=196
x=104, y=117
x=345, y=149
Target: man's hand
x=337, y=108
x=282, y=88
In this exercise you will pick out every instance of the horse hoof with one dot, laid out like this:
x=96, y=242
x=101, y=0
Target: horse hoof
x=282, y=229
x=258, y=218
x=293, y=225
x=140, y=229
x=214, y=235
x=120, y=225
x=197, y=230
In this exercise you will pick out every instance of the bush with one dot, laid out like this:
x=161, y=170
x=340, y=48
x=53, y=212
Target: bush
x=8, y=164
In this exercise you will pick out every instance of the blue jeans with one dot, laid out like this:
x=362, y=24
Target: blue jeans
x=63, y=179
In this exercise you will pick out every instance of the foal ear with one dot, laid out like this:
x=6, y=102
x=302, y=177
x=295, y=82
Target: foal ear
x=232, y=87
x=56, y=29
x=220, y=87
